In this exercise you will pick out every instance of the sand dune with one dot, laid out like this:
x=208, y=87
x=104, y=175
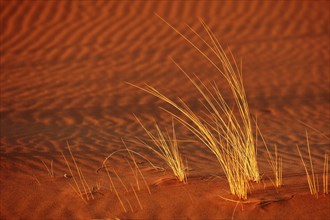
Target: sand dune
x=64, y=72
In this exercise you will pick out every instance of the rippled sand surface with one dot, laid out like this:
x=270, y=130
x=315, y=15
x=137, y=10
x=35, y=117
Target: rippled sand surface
x=64, y=72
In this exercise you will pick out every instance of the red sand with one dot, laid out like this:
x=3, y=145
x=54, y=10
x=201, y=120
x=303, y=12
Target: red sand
x=63, y=71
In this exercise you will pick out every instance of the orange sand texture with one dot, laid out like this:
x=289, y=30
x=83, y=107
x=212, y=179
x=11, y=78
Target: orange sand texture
x=64, y=68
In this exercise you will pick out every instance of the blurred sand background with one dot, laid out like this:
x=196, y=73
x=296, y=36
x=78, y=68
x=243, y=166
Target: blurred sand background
x=64, y=68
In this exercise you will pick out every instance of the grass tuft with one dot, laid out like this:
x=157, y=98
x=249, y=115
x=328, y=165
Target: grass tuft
x=225, y=130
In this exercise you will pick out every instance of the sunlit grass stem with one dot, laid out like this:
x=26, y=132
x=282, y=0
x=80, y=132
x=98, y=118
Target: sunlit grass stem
x=326, y=174
x=83, y=186
x=311, y=177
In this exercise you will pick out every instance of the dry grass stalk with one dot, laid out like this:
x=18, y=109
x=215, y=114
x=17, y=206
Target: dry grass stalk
x=77, y=188
x=311, y=177
x=279, y=172
x=136, y=177
x=228, y=136
x=112, y=186
x=136, y=196
x=130, y=152
x=120, y=180
x=137, y=170
x=134, y=171
x=326, y=174
x=135, y=174
x=313, y=128
x=129, y=204
x=82, y=188
x=275, y=162
x=34, y=176
x=166, y=147
x=144, y=180
x=50, y=170
x=86, y=187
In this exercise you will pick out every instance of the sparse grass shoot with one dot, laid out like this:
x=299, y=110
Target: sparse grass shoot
x=275, y=162
x=136, y=196
x=82, y=188
x=311, y=177
x=50, y=170
x=113, y=187
x=37, y=180
x=136, y=170
x=326, y=174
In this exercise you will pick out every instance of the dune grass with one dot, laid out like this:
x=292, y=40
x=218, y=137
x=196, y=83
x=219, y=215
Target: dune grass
x=81, y=187
x=166, y=147
x=310, y=175
x=225, y=130
x=234, y=77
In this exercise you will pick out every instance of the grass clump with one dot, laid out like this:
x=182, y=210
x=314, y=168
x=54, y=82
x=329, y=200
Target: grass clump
x=225, y=130
x=166, y=147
